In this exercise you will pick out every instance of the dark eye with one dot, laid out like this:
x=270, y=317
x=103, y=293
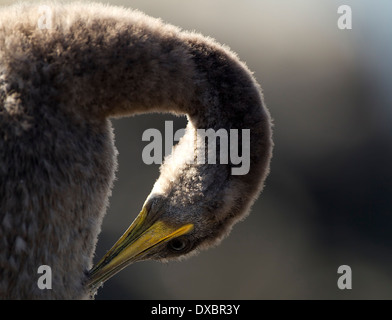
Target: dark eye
x=178, y=244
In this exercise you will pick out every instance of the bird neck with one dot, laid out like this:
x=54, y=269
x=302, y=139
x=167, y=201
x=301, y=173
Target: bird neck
x=146, y=66
x=143, y=67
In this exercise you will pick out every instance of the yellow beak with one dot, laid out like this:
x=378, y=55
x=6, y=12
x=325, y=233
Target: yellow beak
x=133, y=246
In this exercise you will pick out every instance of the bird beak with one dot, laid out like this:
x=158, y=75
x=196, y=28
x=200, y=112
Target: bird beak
x=133, y=246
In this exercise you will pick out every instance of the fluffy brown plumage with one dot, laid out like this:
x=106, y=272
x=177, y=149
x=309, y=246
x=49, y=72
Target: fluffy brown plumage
x=58, y=89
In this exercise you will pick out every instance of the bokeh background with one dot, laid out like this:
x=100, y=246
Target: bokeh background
x=328, y=199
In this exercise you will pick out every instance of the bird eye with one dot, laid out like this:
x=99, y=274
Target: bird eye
x=178, y=244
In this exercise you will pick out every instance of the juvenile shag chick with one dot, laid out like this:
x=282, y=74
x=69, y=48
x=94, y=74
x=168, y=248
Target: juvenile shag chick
x=60, y=82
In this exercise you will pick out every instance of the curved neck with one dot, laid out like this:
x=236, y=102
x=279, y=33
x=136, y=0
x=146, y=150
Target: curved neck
x=151, y=67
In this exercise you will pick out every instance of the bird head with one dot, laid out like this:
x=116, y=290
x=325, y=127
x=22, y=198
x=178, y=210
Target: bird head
x=167, y=228
x=152, y=235
x=191, y=207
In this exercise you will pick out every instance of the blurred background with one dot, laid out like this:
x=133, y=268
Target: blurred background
x=328, y=199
